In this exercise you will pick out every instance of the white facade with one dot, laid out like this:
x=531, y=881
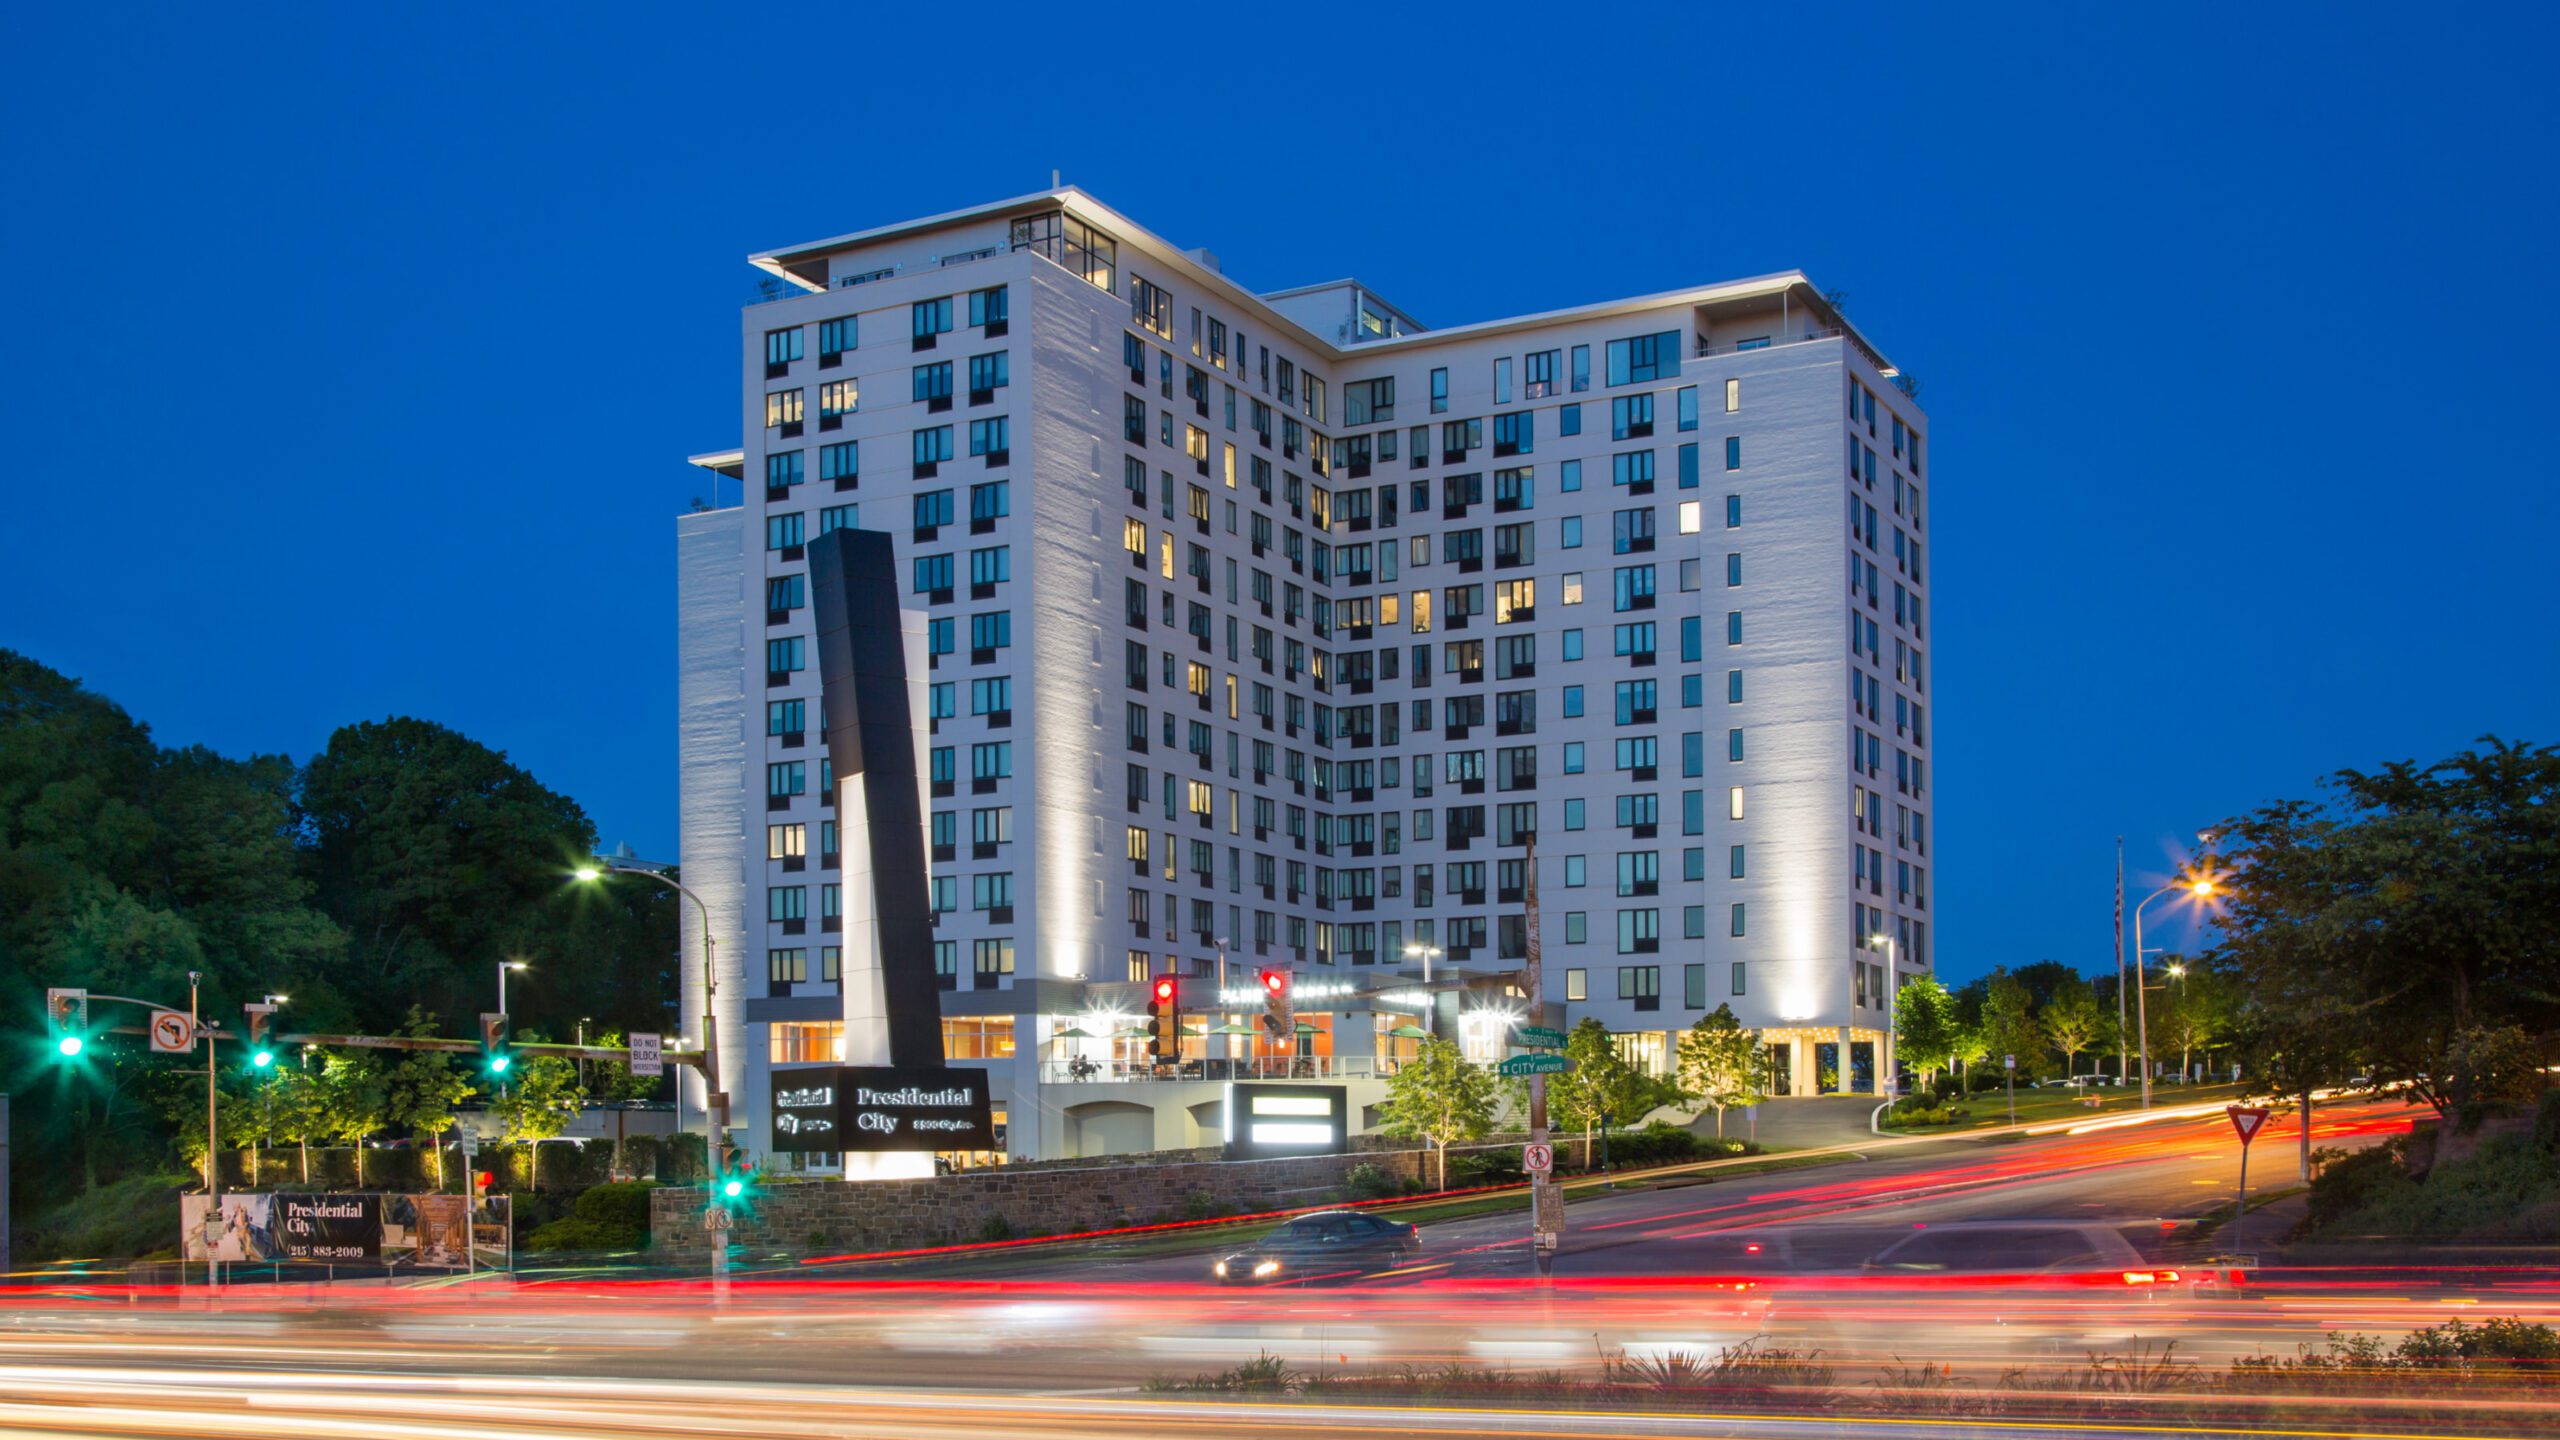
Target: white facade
x=1390, y=696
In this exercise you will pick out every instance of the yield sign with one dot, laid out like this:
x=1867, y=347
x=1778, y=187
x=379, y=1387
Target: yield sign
x=2246, y=1119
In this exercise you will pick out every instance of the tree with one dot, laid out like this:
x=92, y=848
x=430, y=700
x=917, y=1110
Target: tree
x=355, y=1101
x=2008, y=1020
x=1601, y=1088
x=422, y=1090
x=2194, y=1013
x=297, y=1111
x=611, y=1082
x=540, y=1099
x=1440, y=1098
x=1721, y=1063
x=1925, y=1028
x=2404, y=907
x=2071, y=1023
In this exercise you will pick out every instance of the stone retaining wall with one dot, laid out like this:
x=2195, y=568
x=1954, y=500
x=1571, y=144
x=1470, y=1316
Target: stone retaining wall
x=837, y=1215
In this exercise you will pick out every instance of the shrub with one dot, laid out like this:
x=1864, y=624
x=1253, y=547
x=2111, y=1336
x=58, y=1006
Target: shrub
x=1365, y=1181
x=995, y=1228
x=2499, y=1341
x=1655, y=1144
x=2546, y=1123
x=624, y=1203
x=1490, y=1168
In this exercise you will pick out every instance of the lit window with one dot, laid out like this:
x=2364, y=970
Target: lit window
x=1690, y=517
x=1736, y=802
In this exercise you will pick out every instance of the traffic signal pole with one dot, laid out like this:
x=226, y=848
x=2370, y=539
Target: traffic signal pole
x=1546, y=1198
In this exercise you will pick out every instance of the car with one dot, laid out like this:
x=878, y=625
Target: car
x=1322, y=1245
x=2065, y=1251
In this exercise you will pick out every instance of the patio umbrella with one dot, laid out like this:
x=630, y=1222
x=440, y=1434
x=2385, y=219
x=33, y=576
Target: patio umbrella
x=1305, y=1028
x=1070, y=1033
x=1409, y=1032
x=1232, y=1028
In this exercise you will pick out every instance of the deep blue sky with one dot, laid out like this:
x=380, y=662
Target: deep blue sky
x=349, y=356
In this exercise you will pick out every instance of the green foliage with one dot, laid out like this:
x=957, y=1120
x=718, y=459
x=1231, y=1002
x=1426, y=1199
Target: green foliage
x=2071, y=1022
x=995, y=1228
x=603, y=1217
x=1365, y=1181
x=1925, y=1026
x=1601, y=1089
x=133, y=1217
x=2373, y=928
x=541, y=1097
x=1721, y=1063
x=2506, y=1190
x=1437, y=1096
x=2008, y=1022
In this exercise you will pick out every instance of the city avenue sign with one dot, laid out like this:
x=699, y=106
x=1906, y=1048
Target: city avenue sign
x=1539, y=1035
x=1534, y=1065
x=826, y=1108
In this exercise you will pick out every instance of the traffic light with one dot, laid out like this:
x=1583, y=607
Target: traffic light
x=261, y=1055
x=494, y=1048
x=1164, y=1021
x=1279, y=1019
x=66, y=1021
x=733, y=1184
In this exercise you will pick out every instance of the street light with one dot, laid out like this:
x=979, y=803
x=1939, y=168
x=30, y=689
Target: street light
x=503, y=967
x=717, y=1100
x=1886, y=1084
x=1430, y=1003
x=2202, y=888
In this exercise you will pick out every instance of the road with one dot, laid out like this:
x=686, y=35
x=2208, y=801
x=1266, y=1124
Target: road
x=1064, y=1347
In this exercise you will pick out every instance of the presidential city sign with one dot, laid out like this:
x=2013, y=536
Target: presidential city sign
x=881, y=1107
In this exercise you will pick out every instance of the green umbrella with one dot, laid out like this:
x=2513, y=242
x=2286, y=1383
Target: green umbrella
x=1070, y=1033
x=1232, y=1028
x=1305, y=1028
x=1409, y=1032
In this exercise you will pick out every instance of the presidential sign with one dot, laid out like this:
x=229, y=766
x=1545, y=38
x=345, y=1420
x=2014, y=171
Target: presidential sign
x=881, y=1107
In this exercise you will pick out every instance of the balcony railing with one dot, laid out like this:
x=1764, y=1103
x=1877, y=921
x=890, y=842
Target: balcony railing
x=1265, y=1067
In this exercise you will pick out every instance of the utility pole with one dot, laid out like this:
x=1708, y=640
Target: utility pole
x=2120, y=1045
x=1546, y=1198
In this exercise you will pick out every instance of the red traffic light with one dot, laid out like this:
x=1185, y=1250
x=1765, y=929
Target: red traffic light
x=1165, y=989
x=1275, y=981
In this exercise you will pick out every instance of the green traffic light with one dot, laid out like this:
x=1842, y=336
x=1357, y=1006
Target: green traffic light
x=71, y=1045
x=263, y=1058
x=499, y=1063
x=733, y=1188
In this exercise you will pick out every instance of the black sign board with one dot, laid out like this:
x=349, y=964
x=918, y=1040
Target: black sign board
x=881, y=1107
x=328, y=1227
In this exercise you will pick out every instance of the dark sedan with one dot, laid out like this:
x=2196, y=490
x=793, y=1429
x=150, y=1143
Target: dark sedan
x=1329, y=1244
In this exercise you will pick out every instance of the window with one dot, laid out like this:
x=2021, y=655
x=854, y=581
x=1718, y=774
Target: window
x=1733, y=744
x=1733, y=627
x=784, y=593
x=1733, y=512
x=1368, y=402
x=1734, y=803
x=1439, y=391
x=1688, y=403
x=1736, y=859
x=1631, y=417
x=785, y=532
x=837, y=336
x=840, y=463
x=1640, y=933
x=930, y=318
x=782, y=410
x=1581, y=368
x=1733, y=452
x=990, y=502
x=991, y=630
x=1150, y=307
x=1737, y=978
x=1733, y=687
x=839, y=517
x=1634, y=470
x=1737, y=919
x=1732, y=396
x=785, y=717
x=1515, y=433
x=991, y=566
x=992, y=438
x=988, y=374
x=782, y=471
x=1072, y=245
x=836, y=400
x=1577, y=984
x=1641, y=358
x=932, y=447
x=989, y=308
x=781, y=347
x=786, y=967
x=931, y=385
x=932, y=573
x=1538, y=373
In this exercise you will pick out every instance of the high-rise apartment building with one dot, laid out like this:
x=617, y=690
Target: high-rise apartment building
x=1274, y=630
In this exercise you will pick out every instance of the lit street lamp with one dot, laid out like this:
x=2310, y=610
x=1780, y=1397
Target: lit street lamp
x=503, y=967
x=2201, y=888
x=1430, y=1003
x=1886, y=1083
x=717, y=1120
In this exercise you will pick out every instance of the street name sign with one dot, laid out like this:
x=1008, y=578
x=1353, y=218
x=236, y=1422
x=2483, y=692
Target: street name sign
x=1537, y=1159
x=2246, y=1119
x=647, y=1059
x=1539, y=1035
x=1534, y=1065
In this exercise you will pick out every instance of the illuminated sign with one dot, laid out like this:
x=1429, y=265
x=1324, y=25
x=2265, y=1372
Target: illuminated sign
x=1266, y=1121
x=883, y=1107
